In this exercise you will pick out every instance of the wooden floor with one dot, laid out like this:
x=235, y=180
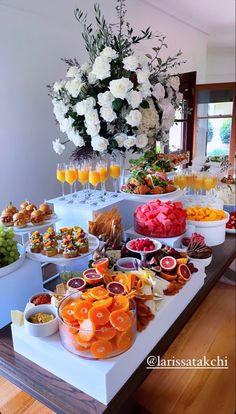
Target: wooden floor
x=210, y=332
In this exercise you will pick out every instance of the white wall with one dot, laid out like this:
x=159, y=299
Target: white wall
x=32, y=41
x=220, y=65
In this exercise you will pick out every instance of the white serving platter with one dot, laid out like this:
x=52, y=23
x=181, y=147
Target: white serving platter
x=59, y=259
x=103, y=379
x=29, y=228
x=149, y=197
x=15, y=265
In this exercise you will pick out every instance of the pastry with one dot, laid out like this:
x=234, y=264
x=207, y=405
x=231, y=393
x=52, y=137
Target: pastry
x=36, y=246
x=50, y=235
x=37, y=217
x=49, y=249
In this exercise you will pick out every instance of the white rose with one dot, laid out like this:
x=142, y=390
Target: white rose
x=109, y=53
x=91, y=117
x=58, y=147
x=73, y=72
x=66, y=124
x=99, y=143
x=130, y=63
x=101, y=68
x=58, y=86
x=143, y=61
x=92, y=78
x=143, y=75
x=73, y=87
x=134, y=118
x=120, y=87
x=141, y=141
x=75, y=137
x=85, y=106
x=134, y=98
x=130, y=141
x=174, y=82
x=59, y=109
x=92, y=129
x=107, y=114
x=105, y=99
x=158, y=91
x=145, y=89
x=120, y=139
x=85, y=68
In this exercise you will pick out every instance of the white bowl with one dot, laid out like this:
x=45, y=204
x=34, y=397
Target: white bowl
x=38, y=294
x=202, y=262
x=15, y=265
x=213, y=231
x=41, y=329
x=121, y=262
x=157, y=245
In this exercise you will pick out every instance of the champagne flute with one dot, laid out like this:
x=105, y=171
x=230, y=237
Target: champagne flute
x=61, y=178
x=83, y=177
x=115, y=174
x=76, y=173
x=70, y=177
x=94, y=180
x=102, y=168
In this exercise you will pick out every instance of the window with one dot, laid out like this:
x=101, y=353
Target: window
x=214, y=119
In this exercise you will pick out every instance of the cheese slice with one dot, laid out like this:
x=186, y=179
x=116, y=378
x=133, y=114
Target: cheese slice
x=17, y=317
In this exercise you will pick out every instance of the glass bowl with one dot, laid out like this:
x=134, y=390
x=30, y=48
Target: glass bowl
x=98, y=342
x=172, y=229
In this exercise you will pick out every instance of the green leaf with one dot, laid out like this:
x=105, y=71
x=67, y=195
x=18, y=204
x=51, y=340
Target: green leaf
x=144, y=104
x=117, y=104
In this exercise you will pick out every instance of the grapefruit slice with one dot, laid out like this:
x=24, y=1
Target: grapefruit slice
x=120, y=302
x=121, y=320
x=168, y=263
x=183, y=272
x=101, y=348
x=99, y=315
x=106, y=332
x=99, y=293
x=81, y=309
x=115, y=288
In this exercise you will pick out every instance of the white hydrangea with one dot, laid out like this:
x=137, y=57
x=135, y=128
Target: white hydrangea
x=143, y=75
x=134, y=118
x=74, y=87
x=75, y=137
x=58, y=86
x=120, y=87
x=158, y=91
x=130, y=141
x=91, y=117
x=134, y=98
x=130, y=63
x=101, y=68
x=120, y=139
x=141, y=141
x=174, y=82
x=93, y=129
x=58, y=147
x=99, y=143
x=109, y=53
x=105, y=99
x=108, y=114
x=73, y=72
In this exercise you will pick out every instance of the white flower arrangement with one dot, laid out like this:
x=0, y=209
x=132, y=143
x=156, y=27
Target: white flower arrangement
x=117, y=101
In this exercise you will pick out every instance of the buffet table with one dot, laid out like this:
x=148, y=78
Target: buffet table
x=64, y=398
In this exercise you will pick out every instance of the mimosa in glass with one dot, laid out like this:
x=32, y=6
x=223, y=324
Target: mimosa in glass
x=61, y=168
x=94, y=180
x=70, y=177
x=115, y=171
x=83, y=177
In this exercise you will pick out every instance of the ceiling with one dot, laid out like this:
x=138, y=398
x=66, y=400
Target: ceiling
x=216, y=18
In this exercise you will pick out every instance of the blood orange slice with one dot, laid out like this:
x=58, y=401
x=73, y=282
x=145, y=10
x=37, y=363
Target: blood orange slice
x=76, y=283
x=115, y=288
x=101, y=348
x=121, y=320
x=93, y=278
x=183, y=271
x=101, y=264
x=168, y=263
x=99, y=315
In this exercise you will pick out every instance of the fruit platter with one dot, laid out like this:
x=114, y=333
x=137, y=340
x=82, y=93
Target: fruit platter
x=29, y=217
x=12, y=254
x=231, y=224
x=62, y=246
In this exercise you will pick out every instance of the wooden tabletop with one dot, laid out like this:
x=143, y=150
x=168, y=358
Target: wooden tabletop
x=64, y=398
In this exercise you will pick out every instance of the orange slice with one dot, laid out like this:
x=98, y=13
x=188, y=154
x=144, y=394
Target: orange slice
x=99, y=293
x=68, y=316
x=106, y=332
x=120, y=302
x=104, y=302
x=101, y=348
x=84, y=344
x=124, y=340
x=121, y=320
x=81, y=309
x=99, y=315
x=101, y=264
x=182, y=260
x=87, y=330
x=123, y=279
x=87, y=296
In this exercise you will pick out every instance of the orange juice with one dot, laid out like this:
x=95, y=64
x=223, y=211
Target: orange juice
x=208, y=183
x=176, y=180
x=83, y=176
x=182, y=181
x=215, y=181
x=94, y=177
x=103, y=172
x=189, y=180
x=61, y=175
x=71, y=176
x=198, y=183
x=115, y=171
